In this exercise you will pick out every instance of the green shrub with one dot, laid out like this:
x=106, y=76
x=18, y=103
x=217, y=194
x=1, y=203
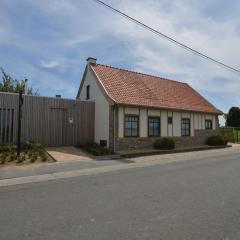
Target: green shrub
x=3, y=148
x=164, y=144
x=19, y=159
x=43, y=156
x=216, y=141
x=30, y=145
x=29, y=150
x=3, y=158
x=6, y=148
x=12, y=156
x=23, y=157
x=34, y=157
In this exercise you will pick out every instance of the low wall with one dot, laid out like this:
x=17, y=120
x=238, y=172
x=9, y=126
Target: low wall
x=199, y=138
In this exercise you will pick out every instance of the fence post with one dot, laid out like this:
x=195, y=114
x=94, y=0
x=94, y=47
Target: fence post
x=20, y=103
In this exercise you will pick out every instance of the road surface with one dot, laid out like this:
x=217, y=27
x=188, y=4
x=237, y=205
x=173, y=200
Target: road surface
x=193, y=199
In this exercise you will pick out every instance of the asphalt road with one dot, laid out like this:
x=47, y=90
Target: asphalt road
x=194, y=199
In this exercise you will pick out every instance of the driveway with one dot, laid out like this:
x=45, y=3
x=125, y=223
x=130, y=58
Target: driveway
x=192, y=199
x=68, y=153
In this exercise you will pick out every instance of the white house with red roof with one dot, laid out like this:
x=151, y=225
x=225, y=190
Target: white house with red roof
x=134, y=109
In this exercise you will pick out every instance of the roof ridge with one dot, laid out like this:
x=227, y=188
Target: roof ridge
x=141, y=73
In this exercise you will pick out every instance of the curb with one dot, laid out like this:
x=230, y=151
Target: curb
x=108, y=157
x=90, y=171
x=161, y=152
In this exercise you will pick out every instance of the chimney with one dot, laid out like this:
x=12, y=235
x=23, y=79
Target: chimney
x=92, y=60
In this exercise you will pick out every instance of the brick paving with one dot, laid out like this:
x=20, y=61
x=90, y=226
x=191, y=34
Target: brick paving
x=68, y=154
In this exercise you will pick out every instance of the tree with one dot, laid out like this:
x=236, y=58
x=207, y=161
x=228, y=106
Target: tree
x=9, y=84
x=233, y=117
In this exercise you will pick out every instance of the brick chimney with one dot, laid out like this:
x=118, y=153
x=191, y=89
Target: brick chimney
x=92, y=60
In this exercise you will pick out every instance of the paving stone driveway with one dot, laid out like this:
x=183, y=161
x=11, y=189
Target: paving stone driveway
x=68, y=154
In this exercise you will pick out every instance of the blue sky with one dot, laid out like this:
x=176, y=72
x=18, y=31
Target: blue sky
x=49, y=41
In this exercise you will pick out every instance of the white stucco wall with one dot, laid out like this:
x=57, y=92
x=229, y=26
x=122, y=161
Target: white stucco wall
x=101, y=107
x=133, y=111
x=143, y=131
x=164, y=123
x=154, y=112
x=176, y=124
x=197, y=120
x=214, y=121
x=192, y=123
x=120, y=122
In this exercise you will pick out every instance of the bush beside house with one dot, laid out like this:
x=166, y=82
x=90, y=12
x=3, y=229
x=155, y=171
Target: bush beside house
x=164, y=144
x=216, y=141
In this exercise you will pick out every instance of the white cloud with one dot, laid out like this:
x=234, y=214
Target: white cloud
x=75, y=28
x=156, y=55
x=43, y=80
x=50, y=64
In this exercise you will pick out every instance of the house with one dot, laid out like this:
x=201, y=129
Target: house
x=134, y=109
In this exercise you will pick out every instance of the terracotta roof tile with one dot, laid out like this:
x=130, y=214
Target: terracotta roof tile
x=132, y=88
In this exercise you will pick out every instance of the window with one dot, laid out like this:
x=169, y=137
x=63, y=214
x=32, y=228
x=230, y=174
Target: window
x=208, y=124
x=169, y=120
x=131, y=125
x=88, y=92
x=153, y=126
x=185, y=127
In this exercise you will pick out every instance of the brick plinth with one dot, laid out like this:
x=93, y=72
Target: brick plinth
x=199, y=138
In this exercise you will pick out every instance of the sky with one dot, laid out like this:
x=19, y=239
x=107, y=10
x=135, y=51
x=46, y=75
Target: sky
x=48, y=42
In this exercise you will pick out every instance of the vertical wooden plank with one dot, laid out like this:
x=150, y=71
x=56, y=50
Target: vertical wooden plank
x=39, y=120
x=0, y=125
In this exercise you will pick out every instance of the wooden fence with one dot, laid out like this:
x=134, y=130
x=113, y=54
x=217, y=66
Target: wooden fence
x=49, y=121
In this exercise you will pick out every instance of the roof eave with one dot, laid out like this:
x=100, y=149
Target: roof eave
x=104, y=90
x=169, y=108
x=81, y=84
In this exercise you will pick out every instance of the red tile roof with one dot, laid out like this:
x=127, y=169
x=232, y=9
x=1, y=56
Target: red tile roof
x=132, y=88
